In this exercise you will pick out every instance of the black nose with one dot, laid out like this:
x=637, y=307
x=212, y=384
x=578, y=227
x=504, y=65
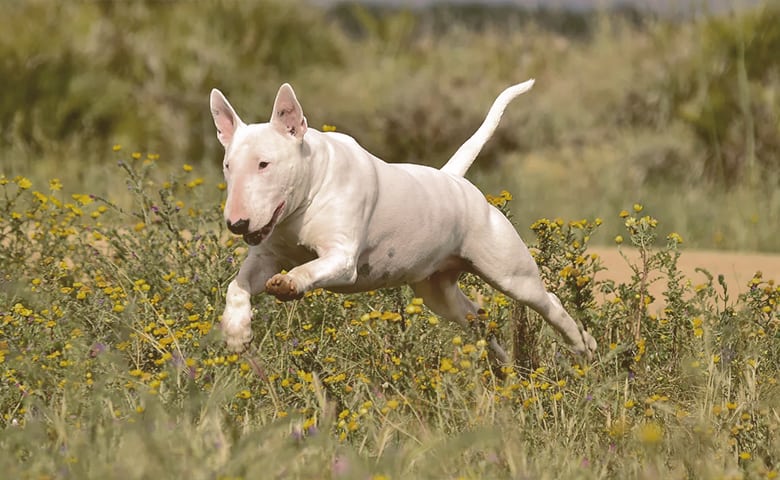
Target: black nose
x=240, y=227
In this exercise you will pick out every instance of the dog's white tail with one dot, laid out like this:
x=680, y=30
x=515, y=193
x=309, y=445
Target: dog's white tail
x=459, y=163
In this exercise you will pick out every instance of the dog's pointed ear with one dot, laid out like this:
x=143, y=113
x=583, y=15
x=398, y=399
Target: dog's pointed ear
x=225, y=118
x=287, y=116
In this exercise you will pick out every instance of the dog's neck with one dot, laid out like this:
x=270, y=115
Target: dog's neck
x=313, y=168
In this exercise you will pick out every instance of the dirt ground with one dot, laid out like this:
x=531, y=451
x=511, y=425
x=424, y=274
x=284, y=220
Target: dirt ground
x=737, y=267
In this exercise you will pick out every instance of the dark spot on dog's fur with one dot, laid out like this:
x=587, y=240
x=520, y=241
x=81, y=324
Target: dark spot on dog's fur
x=364, y=269
x=391, y=253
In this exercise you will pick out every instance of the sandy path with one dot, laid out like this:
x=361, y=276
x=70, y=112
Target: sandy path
x=737, y=267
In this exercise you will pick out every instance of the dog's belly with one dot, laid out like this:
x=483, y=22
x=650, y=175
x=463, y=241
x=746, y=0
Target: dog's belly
x=382, y=268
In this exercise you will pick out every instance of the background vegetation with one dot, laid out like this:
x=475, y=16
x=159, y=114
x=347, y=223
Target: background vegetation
x=115, y=258
x=681, y=113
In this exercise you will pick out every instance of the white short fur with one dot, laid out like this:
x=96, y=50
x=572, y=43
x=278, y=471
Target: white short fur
x=334, y=216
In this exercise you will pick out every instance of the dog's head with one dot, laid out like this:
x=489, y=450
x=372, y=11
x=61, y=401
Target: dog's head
x=262, y=163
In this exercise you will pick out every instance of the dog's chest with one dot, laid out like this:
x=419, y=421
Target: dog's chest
x=289, y=251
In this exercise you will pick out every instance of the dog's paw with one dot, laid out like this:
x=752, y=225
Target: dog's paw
x=283, y=287
x=587, y=346
x=237, y=328
x=590, y=342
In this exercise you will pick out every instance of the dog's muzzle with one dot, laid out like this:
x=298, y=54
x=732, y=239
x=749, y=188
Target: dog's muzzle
x=241, y=227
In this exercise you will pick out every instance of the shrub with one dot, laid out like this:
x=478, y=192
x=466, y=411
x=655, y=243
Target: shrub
x=724, y=92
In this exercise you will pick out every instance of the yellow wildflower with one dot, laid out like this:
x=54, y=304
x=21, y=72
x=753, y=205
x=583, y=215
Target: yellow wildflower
x=23, y=182
x=650, y=434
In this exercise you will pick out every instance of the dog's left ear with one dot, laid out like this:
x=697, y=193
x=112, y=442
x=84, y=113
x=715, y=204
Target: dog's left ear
x=287, y=116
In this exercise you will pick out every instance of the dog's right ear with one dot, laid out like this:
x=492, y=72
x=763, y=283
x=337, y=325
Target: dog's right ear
x=225, y=118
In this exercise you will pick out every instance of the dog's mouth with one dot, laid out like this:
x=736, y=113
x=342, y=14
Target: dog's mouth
x=254, y=238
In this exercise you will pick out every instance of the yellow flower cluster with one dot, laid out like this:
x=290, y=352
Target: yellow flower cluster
x=501, y=200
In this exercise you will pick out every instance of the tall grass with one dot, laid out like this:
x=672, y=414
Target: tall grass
x=113, y=366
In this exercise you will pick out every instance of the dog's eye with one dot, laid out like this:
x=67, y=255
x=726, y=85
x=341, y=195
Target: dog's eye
x=262, y=165
x=227, y=166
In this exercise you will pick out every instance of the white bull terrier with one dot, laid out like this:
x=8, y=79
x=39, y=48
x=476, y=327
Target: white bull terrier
x=336, y=217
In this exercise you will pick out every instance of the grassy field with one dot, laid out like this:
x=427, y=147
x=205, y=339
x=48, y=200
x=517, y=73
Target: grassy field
x=114, y=257
x=112, y=363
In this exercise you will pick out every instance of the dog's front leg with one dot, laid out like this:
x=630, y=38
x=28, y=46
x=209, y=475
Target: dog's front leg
x=334, y=267
x=251, y=278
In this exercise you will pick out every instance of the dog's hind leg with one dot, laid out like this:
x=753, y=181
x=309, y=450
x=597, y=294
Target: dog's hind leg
x=441, y=294
x=506, y=264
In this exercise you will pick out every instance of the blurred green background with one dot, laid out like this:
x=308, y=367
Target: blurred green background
x=678, y=112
